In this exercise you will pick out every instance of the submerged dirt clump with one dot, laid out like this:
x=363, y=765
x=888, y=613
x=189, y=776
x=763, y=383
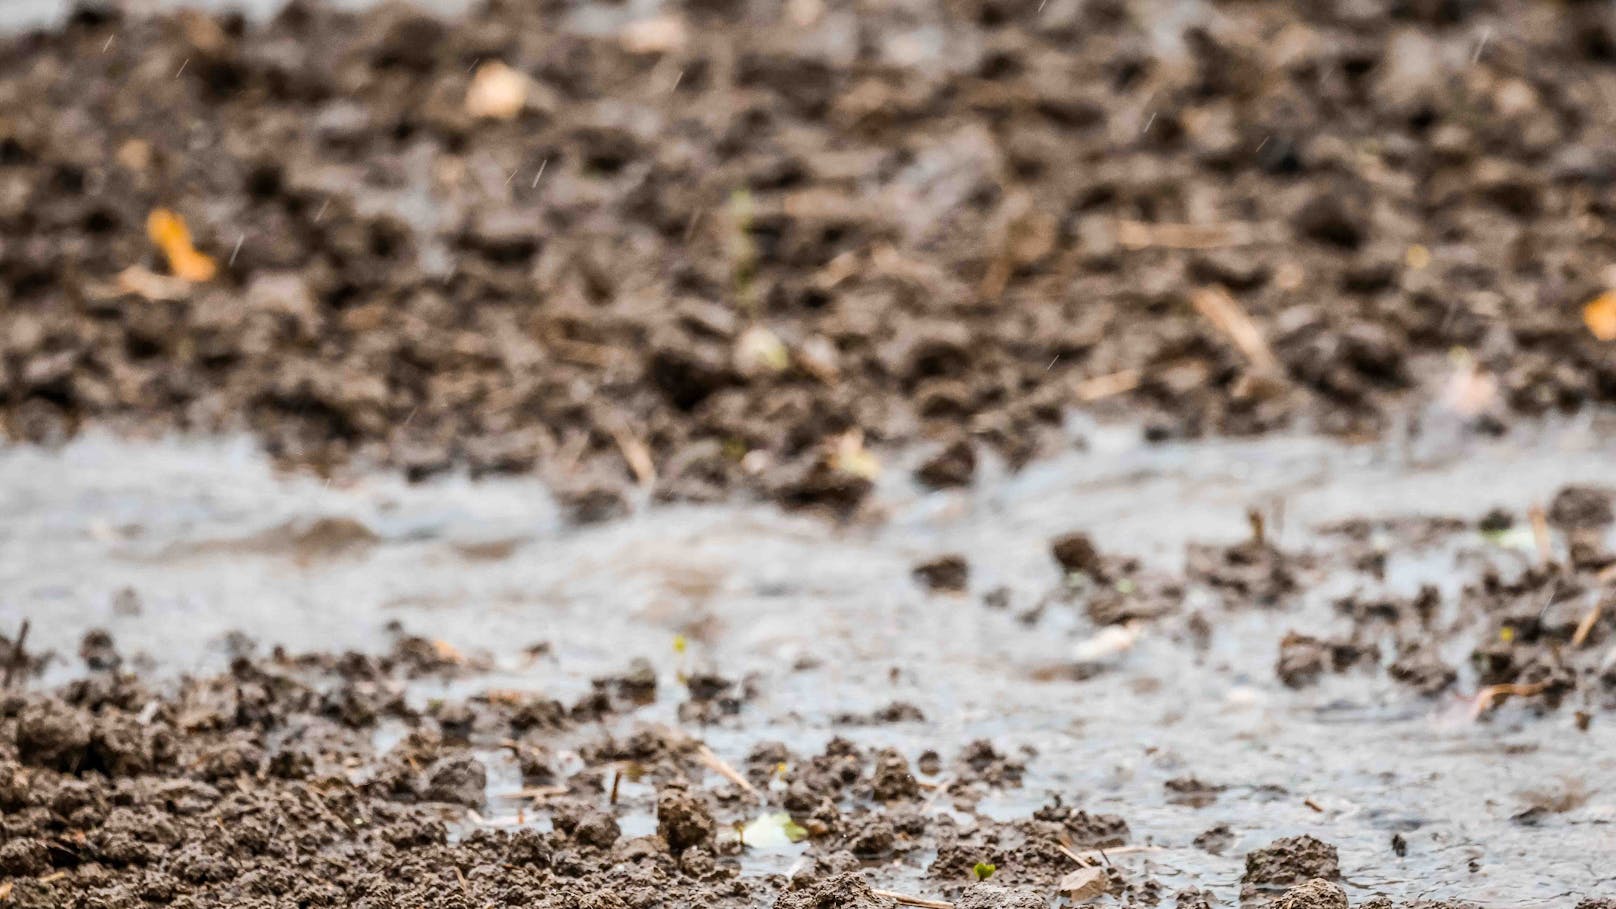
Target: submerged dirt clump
x=1315, y=894
x=1582, y=507
x=946, y=573
x=847, y=890
x=1517, y=622
x=1302, y=659
x=1250, y=573
x=1076, y=552
x=1287, y=861
x=710, y=254
x=990, y=896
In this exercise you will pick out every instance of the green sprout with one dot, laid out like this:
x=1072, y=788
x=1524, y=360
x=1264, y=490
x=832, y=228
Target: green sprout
x=741, y=251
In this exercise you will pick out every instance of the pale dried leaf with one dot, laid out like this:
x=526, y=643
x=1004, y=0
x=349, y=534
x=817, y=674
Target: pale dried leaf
x=818, y=357
x=759, y=351
x=848, y=455
x=1084, y=884
x=1108, y=642
x=143, y=282
x=658, y=35
x=497, y=92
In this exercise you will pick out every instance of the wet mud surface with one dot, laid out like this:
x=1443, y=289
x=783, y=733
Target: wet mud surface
x=709, y=247
x=1204, y=392
x=1126, y=669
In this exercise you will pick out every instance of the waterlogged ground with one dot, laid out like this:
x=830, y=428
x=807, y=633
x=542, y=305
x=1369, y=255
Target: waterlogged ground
x=870, y=230
x=171, y=545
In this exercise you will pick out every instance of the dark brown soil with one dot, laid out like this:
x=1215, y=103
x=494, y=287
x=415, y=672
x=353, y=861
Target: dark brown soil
x=1290, y=861
x=950, y=573
x=263, y=787
x=720, y=256
x=754, y=250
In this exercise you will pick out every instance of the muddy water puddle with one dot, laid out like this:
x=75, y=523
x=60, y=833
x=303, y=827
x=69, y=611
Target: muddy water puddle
x=173, y=545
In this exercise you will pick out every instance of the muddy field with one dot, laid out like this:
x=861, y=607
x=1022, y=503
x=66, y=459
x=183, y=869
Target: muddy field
x=731, y=246
x=975, y=455
x=482, y=676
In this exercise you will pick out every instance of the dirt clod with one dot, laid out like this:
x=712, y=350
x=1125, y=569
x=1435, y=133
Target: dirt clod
x=1289, y=861
x=991, y=896
x=847, y=890
x=1075, y=552
x=953, y=466
x=949, y=573
x=683, y=820
x=1582, y=507
x=1315, y=894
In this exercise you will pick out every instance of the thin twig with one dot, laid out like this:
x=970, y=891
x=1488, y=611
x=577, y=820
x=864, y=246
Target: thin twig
x=907, y=900
x=19, y=657
x=1110, y=385
x=1540, y=533
x=1095, y=856
x=1228, y=316
x=1586, y=626
x=1072, y=854
x=533, y=793
x=716, y=764
x=635, y=452
x=481, y=821
x=1487, y=697
x=1146, y=234
x=584, y=353
x=938, y=790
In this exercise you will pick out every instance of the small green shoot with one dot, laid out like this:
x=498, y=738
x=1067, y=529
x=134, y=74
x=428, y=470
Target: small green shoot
x=984, y=870
x=1519, y=538
x=741, y=251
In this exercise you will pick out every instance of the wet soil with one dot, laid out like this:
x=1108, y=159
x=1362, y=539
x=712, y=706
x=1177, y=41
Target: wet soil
x=314, y=779
x=885, y=262
x=1132, y=706
x=706, y=252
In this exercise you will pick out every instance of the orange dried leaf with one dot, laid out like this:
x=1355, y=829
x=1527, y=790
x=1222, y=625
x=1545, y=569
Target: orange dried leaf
x=168, y=233
x=447, y=652
x=1600, y=316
